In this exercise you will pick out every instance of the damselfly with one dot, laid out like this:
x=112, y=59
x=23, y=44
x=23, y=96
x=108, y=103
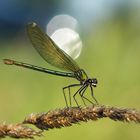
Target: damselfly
x=55, y=56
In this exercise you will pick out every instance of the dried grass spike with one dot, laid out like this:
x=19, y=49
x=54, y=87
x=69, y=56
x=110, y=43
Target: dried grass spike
x=17, y=131
x=68, y=116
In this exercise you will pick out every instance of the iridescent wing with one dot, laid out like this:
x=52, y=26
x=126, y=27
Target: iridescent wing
x=47, y=48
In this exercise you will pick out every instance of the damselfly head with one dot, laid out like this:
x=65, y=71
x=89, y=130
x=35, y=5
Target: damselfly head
x=93, y=82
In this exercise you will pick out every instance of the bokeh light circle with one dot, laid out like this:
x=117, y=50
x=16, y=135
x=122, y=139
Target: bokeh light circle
x=63, y=29
x=61, y=21
x=69, y=41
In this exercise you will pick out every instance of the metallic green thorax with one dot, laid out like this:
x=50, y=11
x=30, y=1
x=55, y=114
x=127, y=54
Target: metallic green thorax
x=81, y=75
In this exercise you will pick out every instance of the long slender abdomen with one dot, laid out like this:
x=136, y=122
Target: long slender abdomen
x=33, y=67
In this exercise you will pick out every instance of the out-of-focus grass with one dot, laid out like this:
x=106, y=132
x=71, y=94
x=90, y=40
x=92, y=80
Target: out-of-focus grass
x=111, y=54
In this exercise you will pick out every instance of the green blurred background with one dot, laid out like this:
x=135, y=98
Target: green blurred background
x=110, y=32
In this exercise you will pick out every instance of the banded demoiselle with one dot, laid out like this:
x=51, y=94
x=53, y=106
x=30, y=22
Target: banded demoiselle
x=55, y=56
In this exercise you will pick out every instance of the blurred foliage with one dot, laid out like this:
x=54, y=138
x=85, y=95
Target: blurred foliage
x=111, y=53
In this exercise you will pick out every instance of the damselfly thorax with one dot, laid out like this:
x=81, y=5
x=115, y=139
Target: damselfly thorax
x=83, y=78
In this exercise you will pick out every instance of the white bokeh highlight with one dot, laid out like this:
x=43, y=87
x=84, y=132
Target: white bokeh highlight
x=63, y=30
x=69, y=41
x=61, y=21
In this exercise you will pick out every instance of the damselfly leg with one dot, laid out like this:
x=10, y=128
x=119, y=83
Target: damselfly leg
x=78, y=91
x=64, y=93
x=92, y=94
x=81, y=92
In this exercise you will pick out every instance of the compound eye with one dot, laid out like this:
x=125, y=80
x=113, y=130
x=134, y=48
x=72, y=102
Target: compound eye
x=90, y=81
x=94, y=82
